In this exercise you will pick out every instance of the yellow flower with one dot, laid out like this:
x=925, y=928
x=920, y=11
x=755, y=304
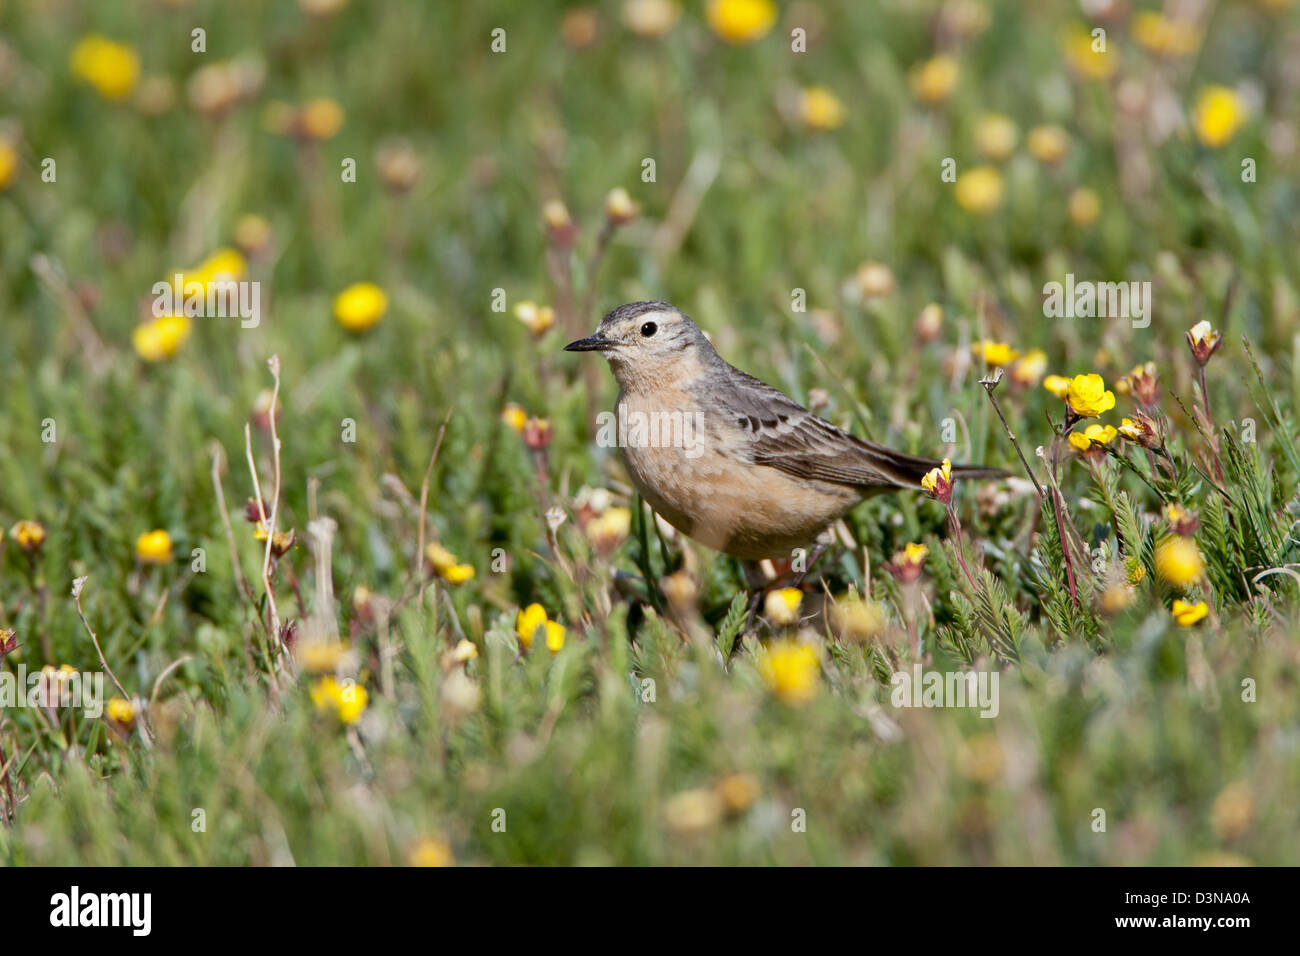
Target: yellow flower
x=650, y=18
x=1084, y=206
x=1179, y=561
x=1088, y=395
x=154, y=547
x=527, y=622
x=225, y=264
x=782, y=605
x=430, y=851
x=465, y=651
x=741, y=21
x=738, y=791
x=321, y=118
x=321, y=656
x=819, y=108
x=346, y=700
x=160, y=338
x=790, y=670
x=995, y=136
x=446, y=565
x=1030, y=368
x=554, y=637
x=8, y=163
x=856, y=619
x=1101, y=434
x=281, y=541
x=1058, y=385
x=121, y=711
x=514, y=416
x=1084, y=58
x=111, y=68
x=995, y=353
x=934, y=480
x=1047, y=144
x=933, y=80
x=538, y=318
x=607, y=531
x=29, y=534
x=1163, y=36
x=979, y=190
x=916, y=553
x=1187, y=614
x=1220, y=112
x=360, y=306
x=620, y=208
x=457, y=574
x=252, y=233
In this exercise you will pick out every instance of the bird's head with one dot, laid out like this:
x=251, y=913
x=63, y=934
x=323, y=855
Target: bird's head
x=647, y=342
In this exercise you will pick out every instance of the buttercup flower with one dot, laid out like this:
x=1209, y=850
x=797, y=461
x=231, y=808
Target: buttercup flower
x=1058, y=385
x=1181, y=520
x=938, y=482
x=430, y=851
x=1093, y=434
x=819, y=108
x=29, y=535
x=121, y=711
x=360, y=306
x=154, y=547
x=1084, y=56
x=1084, y=207
x=1030, y=368
x=1220, y=112
x=514, y=416
x=538, y=318
x=1179, y=561
x=790, y=670
x=446, y=566
x=933, y=80
x=782, y=605
x=856, y=619
x=741, y=21
x=346, y=700
x=1187, y=614
x=527, y=623
x=1203, y=340
x=1165, y=36
x=979, y=190
x=1088, y=396
x=650, y=18
x=1143, y=383
x=1141, y=429
x=995, y=353
x=609, y=529
x=281, y=541
x=110, y=67
x=996, y=136
x=320, y=119
x=159, y=339
x=619, y=207
x=1047, y=144
x=8, y=163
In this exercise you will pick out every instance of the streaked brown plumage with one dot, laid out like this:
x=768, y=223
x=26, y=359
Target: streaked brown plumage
x=764, y=475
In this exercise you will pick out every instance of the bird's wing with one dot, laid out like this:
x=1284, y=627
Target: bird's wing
x=783, y=434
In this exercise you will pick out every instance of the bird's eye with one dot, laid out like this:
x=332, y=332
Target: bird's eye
x=649, y=329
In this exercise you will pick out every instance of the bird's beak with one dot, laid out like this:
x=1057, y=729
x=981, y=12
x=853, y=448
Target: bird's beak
x=592, y=343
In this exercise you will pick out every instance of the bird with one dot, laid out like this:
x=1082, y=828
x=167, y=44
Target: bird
x=750, y=472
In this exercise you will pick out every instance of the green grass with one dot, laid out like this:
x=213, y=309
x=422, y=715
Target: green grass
x=1126, y=712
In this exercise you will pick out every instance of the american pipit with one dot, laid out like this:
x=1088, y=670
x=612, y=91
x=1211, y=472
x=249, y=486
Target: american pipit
x=725, y=458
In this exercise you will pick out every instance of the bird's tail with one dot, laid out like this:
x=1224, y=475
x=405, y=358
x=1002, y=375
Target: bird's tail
x=908, y=470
